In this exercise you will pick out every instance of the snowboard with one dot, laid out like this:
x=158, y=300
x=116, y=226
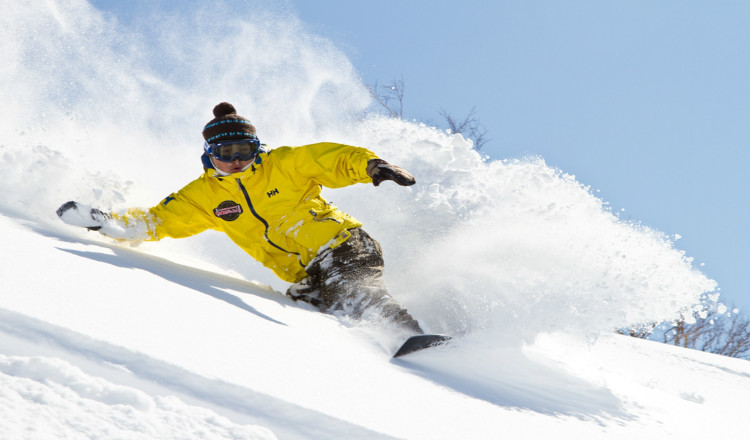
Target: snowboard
x=420, y=342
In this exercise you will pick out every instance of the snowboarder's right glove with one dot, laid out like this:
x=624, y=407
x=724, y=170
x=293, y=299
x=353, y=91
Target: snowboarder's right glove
x=76, y=214
x=381, y=170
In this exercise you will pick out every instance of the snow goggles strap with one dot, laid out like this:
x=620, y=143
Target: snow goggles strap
x=229, y=151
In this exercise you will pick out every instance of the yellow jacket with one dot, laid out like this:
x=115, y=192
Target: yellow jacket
x=273, y=210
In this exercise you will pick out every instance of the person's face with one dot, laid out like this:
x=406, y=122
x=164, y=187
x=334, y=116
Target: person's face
x=232, y=167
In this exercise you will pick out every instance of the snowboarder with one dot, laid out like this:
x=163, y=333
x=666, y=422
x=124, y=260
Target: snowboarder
x=269, y=203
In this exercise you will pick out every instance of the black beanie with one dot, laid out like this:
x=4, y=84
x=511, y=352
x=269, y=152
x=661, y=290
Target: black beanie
x=227, y=125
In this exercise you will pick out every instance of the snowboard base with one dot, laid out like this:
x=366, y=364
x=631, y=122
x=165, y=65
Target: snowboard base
x=420, y=342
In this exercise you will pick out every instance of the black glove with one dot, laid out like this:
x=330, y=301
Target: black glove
x=76, y=214
x=304, y=291
x=381, y=170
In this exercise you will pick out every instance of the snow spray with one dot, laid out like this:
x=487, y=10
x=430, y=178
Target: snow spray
x=110, y=114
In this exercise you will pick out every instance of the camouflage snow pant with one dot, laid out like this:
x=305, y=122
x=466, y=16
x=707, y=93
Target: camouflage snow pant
x=349, y=279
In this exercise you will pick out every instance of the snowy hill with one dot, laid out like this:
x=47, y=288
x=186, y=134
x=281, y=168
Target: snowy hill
x=526, y=266
x=107, y=342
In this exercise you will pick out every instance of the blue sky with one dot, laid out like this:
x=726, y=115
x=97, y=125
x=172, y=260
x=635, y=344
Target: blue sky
x=647, y=102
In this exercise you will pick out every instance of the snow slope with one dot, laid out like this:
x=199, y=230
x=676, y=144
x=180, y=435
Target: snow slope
x=108, y=342
x=191, y=339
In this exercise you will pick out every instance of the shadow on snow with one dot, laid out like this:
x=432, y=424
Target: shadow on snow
x=506, y=377
x=200, y=280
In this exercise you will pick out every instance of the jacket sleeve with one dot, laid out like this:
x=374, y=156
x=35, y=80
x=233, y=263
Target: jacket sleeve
x=176, y=216
x=332, y=165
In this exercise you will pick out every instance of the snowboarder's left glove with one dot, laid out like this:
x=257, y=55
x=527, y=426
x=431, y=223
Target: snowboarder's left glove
x=76, y=214
x=381, y=170
x=304, y=291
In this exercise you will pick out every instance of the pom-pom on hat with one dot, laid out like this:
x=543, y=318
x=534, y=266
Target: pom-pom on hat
x=227, y=125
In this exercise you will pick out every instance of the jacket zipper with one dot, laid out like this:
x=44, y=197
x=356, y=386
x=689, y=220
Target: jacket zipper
x=262, y=220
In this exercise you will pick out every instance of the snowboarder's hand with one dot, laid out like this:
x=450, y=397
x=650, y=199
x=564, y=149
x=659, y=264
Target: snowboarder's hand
x=76, y=214
x=381, y=170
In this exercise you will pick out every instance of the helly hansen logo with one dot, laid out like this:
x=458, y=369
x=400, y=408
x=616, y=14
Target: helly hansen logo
x=273, y=192
x=228, y=210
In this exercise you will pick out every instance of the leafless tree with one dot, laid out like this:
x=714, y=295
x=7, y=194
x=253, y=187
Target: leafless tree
x=391, y=98
x=714, y=329
x=737, y=340
x=725, y=333
x=392, y=92
x=469, y=127
x=641, y=331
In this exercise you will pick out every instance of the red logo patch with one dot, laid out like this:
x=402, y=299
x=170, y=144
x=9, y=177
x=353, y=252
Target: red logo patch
x=228, y=210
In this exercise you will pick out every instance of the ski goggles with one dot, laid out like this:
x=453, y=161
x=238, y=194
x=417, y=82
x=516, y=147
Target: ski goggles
x=229, y=151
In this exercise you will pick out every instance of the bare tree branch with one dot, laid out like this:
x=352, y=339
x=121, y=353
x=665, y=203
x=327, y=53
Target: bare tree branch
x=391, y=98
x=641, y=331
x=394, y=91
x=469, y=127
x=380, y=99
x=724, y=333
